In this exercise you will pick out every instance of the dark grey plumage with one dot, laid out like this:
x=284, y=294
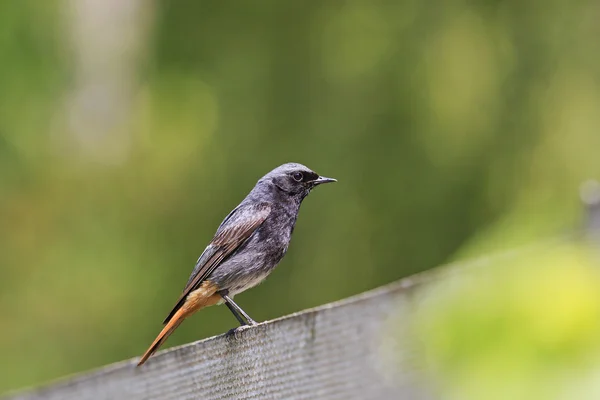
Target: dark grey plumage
x=247, y=246
x=277, y=198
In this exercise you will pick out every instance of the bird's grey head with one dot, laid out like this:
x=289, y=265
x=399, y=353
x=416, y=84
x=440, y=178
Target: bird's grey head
x=294, y=179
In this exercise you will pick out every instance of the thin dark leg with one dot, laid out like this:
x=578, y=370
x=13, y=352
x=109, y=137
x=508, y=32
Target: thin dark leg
x=237, y=310
x=235, y=313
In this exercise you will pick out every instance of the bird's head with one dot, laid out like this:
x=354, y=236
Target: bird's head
x=295, y=179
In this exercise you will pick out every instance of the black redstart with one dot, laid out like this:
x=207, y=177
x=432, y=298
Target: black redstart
x=248, y=245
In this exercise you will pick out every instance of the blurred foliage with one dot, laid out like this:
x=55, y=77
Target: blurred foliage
x=526, y=327
x=128, y=130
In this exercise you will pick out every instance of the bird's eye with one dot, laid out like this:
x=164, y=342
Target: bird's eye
x=297, y=176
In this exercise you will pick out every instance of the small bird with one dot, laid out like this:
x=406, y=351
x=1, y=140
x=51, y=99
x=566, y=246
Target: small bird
x=247, y=246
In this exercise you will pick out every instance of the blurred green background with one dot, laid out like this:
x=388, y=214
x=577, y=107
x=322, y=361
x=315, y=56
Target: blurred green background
x=129, y=129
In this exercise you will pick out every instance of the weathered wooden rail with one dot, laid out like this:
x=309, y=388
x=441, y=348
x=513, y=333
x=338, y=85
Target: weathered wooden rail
x=329, y=352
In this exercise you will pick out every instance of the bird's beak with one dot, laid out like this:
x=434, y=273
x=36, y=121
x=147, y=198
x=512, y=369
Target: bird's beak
x=320, y=180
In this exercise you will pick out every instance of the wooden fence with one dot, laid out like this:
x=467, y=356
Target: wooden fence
x=330, y=352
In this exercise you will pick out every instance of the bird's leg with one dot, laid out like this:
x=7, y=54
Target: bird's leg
x=236, y=314
x=237, y=310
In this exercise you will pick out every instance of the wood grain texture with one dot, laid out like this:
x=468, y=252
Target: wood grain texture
x=331, y=352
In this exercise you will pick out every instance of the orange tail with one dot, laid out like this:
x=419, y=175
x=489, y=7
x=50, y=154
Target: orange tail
x=173, y=323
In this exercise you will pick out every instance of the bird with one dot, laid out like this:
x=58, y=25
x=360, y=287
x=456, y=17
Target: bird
x=247, y=246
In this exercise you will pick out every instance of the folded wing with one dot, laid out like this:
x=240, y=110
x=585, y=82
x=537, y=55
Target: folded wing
x=235, y=229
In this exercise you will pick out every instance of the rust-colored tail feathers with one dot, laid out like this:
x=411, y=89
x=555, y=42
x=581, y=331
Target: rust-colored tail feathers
x=205, y=295
x=173, y=323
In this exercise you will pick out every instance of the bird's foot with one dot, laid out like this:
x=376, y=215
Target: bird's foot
x=236, y=331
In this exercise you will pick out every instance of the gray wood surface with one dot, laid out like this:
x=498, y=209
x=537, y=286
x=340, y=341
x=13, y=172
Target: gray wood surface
x=331, y=352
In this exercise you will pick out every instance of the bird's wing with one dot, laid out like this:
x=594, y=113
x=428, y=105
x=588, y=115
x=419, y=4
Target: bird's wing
x=235, y=229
